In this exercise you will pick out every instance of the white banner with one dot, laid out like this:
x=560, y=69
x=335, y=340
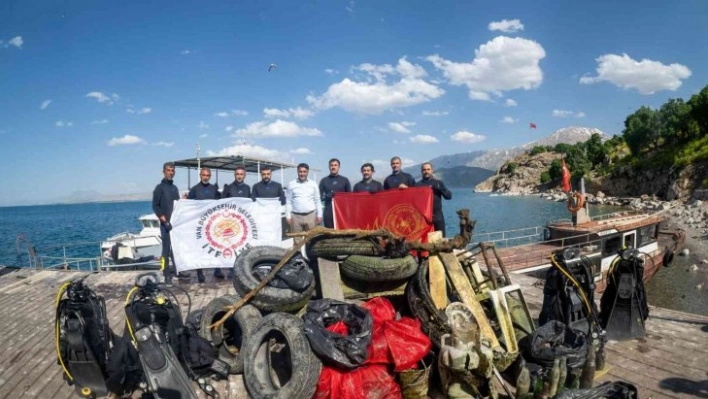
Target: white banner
x=211, y=233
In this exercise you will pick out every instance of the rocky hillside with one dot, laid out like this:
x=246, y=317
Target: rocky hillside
x=525, y=177
x=494, y=159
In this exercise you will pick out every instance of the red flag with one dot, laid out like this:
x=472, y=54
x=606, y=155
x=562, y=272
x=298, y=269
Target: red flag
x=532, y=125
x=566, y=176
x=405, y=213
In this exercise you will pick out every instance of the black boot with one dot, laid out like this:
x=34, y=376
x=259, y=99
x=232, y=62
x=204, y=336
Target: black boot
x=218, y=273
x=200, y=276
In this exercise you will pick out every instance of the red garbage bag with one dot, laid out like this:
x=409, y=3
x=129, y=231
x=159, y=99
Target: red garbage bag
x=366, y=382
x=405, y=341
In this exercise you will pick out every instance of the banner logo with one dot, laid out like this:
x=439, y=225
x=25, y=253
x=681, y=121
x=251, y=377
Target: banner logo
x=404, y=220
x=225, y=229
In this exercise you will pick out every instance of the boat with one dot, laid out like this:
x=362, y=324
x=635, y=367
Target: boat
x=600, y=238
x=128, y=248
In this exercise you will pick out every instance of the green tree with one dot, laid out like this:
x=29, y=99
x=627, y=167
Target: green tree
x=511, y=167
x=546, y=177
x=555, y=171
x=699, y=112
x=595, y=150
x=640, y=128
x=677, y=123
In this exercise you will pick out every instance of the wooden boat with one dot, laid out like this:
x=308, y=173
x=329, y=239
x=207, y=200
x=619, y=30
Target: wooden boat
x=528, y=251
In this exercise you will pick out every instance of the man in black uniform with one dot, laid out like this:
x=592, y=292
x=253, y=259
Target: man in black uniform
x=367, y=182
x=398, y=178
x=163, y=198
x=205, y=191
x=267, y=188
x=238, y=189
x=334, y=183
x=439, y=190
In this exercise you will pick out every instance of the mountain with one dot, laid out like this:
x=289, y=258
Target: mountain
x=463, y=176
x=494, y=159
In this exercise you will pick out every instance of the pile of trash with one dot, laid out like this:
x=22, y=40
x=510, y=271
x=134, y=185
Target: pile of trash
x=447, y=327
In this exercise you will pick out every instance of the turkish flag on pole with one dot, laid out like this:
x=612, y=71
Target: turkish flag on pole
x=532, y=125
x=405, y=213
x=566, y=176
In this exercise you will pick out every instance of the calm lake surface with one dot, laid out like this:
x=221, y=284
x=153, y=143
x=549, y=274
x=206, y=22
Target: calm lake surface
x=49, y=227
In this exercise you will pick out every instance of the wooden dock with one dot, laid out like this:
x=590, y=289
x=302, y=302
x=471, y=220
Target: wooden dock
x=671, y=362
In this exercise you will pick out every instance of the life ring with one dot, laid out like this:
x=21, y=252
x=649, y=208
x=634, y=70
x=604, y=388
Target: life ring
x=575, y=202
x=668, y=257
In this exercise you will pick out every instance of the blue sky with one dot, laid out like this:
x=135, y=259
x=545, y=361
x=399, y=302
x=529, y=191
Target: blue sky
x=96, y=95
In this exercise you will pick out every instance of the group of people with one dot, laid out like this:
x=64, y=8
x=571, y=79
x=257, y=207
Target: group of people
x=307, y=204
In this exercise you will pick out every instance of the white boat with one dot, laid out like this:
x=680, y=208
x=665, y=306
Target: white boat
x=128, y=248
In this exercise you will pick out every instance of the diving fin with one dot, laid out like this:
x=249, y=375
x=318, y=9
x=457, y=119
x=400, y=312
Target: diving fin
x=164, y=373
x=624, y=303
x=81, y=360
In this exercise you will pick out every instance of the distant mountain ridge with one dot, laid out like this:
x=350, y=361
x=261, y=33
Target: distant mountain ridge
x=463, y=176
x=493, y=159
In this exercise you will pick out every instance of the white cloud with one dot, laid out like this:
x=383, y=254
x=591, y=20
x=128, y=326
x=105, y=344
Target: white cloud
x=467, y=137
x=229, y=128
x=561, y=113
x=400, y=127
x=508, y=119
x=45, y=104
x=141, y=111
x=255, y=151
x=128, y=139
x=164, y=143
x=202, y=125
x=374, y=94
x=203, y=136
x=510, y=103
x=506, y=25
x=239, y=112
x=185, y=52
x=331, y=71
x=423, y=139
x=15, y=41
x=502, y=64
x=102, y=98
x=297, y=113
x=100, y=122
x=350, y=6
x=277, y=128
x=301, y=151
x=222, y=114
x=435, y=113
x=645, y=76
x=63, y=124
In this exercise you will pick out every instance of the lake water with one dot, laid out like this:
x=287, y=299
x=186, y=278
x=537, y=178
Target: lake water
x=49, y=227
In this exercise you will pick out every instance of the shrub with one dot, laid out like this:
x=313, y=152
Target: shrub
x=546, y=177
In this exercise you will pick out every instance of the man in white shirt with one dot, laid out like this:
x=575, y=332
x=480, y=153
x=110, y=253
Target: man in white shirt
x=303, y=207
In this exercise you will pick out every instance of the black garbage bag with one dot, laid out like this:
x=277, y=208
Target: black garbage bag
x=553, y=340
x=295, y=275
x=609, y=389
x=343, y=351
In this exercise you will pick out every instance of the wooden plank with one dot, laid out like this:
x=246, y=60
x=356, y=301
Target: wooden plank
x=329, y=279
x=466, y=292
x=436, y=275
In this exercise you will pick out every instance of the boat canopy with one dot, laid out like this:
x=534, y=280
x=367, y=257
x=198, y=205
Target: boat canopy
x=252, y=165
x=230, y=162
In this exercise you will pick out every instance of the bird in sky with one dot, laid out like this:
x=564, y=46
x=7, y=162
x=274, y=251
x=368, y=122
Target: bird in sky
x=272, y=66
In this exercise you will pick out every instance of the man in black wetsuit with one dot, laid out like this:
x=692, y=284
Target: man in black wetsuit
x=267, y=188
x=238, y=189
x=329, y=185
x=163, y=198
x=398, y=178
x=439, y=192
x=367, y=182
x=205, y=191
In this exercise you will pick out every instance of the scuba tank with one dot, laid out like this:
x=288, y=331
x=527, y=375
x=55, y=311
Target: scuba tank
x=154, y=322
x=623, y=306
x=83, y=338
